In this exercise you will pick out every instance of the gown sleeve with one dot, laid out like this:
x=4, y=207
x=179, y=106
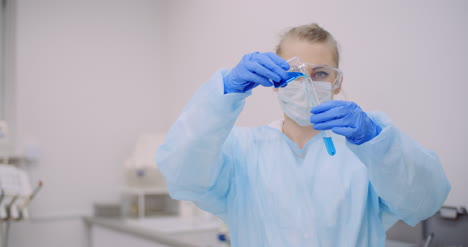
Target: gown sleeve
x=408, y=179
x=196, y=158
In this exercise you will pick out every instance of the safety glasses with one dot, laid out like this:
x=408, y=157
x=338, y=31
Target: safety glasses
x=317, y=72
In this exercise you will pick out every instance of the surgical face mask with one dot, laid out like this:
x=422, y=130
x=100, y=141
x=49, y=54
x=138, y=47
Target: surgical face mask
x=297, y=99
x=313, y=88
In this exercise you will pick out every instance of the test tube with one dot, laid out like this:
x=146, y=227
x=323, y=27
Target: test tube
x=299, y=68
x=325, y=133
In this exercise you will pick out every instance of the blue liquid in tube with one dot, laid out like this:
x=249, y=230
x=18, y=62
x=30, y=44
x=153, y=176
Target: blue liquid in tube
x=292, y=76
x=329, y=145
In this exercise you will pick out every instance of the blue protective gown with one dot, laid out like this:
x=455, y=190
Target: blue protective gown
x=271, y=193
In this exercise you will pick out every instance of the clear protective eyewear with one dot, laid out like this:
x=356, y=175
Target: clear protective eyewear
x=315, y=72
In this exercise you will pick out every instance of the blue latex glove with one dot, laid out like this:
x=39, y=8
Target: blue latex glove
x=344, y=118
x=266, y=69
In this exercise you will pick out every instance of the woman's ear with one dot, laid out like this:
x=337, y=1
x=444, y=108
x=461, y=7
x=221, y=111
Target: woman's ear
x=338, y=89
x=274, y=89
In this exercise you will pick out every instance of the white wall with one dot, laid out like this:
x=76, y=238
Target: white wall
x=406, y=58
x=2, y=82
x=88, y=82
x=93, y=74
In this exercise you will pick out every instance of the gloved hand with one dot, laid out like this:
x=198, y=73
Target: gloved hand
x=344, y=118
x=257, y=69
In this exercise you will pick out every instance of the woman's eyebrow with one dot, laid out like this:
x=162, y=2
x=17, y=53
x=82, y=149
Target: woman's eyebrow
x=319, y=67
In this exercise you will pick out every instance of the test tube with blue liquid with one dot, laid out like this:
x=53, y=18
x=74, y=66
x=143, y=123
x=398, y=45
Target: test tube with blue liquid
x=325, y=133
x=313, y=97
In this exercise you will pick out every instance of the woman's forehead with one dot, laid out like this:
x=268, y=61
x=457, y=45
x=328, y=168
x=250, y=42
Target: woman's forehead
x=319, y=53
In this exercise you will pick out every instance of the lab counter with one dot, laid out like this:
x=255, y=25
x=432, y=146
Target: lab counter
x=394, y=243
x=154, y=232
x=161, y=232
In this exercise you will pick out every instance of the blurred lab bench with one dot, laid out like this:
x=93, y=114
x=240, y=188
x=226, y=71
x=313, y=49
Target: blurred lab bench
x=395, y=243
x=448, y=227
x=161, y=232
x=167, y=231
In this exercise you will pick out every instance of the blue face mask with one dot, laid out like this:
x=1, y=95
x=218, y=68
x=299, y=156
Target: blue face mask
x=296, y=99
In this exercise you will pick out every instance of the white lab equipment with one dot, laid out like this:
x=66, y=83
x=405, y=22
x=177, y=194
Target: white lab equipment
x=147, y=202
x=15, y=193
x=141, y=168
x=145, y=193
x=15, y=196
x=15, y=188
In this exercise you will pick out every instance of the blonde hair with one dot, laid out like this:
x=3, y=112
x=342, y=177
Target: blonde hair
x=312, y=33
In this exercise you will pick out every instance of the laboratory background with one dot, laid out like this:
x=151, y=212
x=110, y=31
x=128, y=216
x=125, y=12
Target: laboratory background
x=89, y=89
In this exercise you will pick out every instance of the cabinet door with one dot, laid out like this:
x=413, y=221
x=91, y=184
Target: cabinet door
x=104, y=237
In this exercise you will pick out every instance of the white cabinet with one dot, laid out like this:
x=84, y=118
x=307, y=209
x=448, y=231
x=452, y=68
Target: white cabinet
x=105, y=237
x=156, y=232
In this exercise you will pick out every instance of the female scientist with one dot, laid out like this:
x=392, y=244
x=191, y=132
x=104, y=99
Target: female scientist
x=277, y=185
